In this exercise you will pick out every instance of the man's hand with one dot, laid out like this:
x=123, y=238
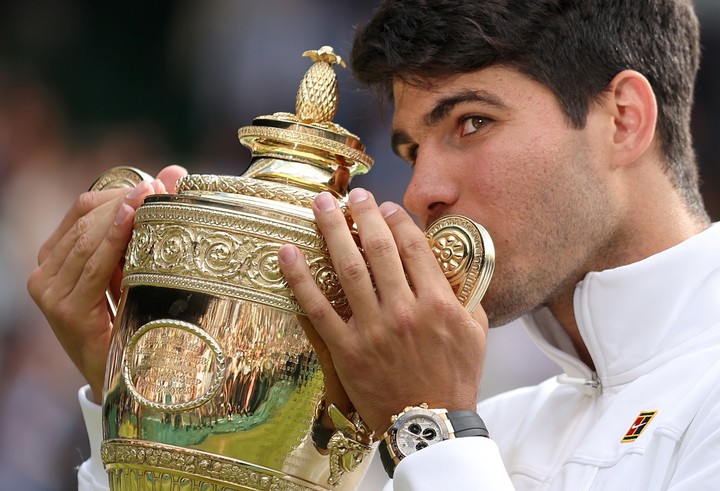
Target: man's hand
x=409, y=340
x=77, y=265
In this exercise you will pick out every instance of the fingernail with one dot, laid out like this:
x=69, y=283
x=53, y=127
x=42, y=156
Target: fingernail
x=388, y=208
x=287, y=254
x=325, y=201
x=137, y=191
x=122, y=214
x=357, y=195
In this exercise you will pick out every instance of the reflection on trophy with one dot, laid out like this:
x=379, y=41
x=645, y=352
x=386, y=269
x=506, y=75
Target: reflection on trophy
x=211, y=383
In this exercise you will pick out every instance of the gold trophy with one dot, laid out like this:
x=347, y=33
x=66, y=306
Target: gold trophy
x=211, y=384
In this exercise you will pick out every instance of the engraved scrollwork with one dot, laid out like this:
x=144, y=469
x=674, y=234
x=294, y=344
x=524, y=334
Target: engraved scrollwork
x=329, y=283
x=219, y=254
x=173, y=251
x=127, y=461
x=326, y=278
x=240, y=262
x=141, y=246
x=265, y=268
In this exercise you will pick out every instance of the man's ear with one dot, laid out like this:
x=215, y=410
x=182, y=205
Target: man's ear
x=631, y=101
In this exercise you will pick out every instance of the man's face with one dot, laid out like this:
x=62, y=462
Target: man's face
x=495, y=146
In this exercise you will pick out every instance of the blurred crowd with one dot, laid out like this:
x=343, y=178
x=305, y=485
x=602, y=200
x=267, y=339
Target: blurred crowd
x=85, y=86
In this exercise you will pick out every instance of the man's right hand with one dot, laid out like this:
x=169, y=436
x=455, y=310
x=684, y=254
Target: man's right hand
x=77, y=265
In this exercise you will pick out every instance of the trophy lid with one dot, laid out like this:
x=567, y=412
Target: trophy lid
x=307, y=149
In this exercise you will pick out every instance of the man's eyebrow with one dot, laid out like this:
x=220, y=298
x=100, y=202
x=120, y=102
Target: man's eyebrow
x=442, y=109
x=445, y=105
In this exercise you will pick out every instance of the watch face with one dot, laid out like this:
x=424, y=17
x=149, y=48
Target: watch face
x=417, y=431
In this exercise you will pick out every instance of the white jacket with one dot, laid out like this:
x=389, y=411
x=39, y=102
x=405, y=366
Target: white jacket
x=653, y=331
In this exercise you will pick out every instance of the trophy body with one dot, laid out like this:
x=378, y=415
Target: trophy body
x=211, y=384
x=211, y=379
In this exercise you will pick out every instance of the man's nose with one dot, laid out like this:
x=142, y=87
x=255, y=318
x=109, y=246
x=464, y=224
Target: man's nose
x=432, y=188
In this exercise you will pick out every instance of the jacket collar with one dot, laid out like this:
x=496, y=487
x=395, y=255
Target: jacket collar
x=637, y=317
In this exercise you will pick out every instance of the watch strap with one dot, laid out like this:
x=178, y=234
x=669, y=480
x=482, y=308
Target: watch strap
x=321, y=435
x=467, y=423
x=386, y=459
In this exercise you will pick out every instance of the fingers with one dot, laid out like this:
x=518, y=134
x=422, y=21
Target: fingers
x=76, y=266
x=79, y=319
x=397, y=251
x=380, y=248
x=395, y=329
x=334, y=391
x=78, y=241
x=169, y=176
x=316, y=306
x=99, y=267
x=80, y=251
x=393, y=246
x=85, y=203
x=347, y=260
x=319, y=313
x=420, y=263
x=158, y=187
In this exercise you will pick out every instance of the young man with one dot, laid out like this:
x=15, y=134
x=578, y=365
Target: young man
x=562, y=127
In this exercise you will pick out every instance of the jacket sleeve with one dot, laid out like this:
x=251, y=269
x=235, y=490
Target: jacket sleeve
x=461, y=463
x=91, y=475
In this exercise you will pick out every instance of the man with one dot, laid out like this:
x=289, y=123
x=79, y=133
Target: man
x=563, y=127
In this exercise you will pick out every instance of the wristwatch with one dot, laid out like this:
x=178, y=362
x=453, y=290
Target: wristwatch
x=418, y=427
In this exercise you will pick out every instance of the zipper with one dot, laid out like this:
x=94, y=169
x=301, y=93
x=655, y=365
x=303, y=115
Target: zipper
x=588, y=383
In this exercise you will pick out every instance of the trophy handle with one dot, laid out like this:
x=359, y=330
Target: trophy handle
x=118, y=177
x=465, y=252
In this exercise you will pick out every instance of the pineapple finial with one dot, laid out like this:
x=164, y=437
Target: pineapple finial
x=317, y=96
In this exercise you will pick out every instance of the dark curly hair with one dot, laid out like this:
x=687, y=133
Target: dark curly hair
x=574, y=47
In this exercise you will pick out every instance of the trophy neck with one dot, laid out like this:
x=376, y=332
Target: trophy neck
x=311, y=156
x=301, y=175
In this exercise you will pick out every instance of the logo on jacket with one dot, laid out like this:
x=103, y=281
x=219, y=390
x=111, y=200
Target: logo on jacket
x=641, y=422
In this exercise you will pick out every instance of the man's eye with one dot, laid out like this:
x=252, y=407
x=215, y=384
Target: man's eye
x=471, y=124
x=410, y=155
